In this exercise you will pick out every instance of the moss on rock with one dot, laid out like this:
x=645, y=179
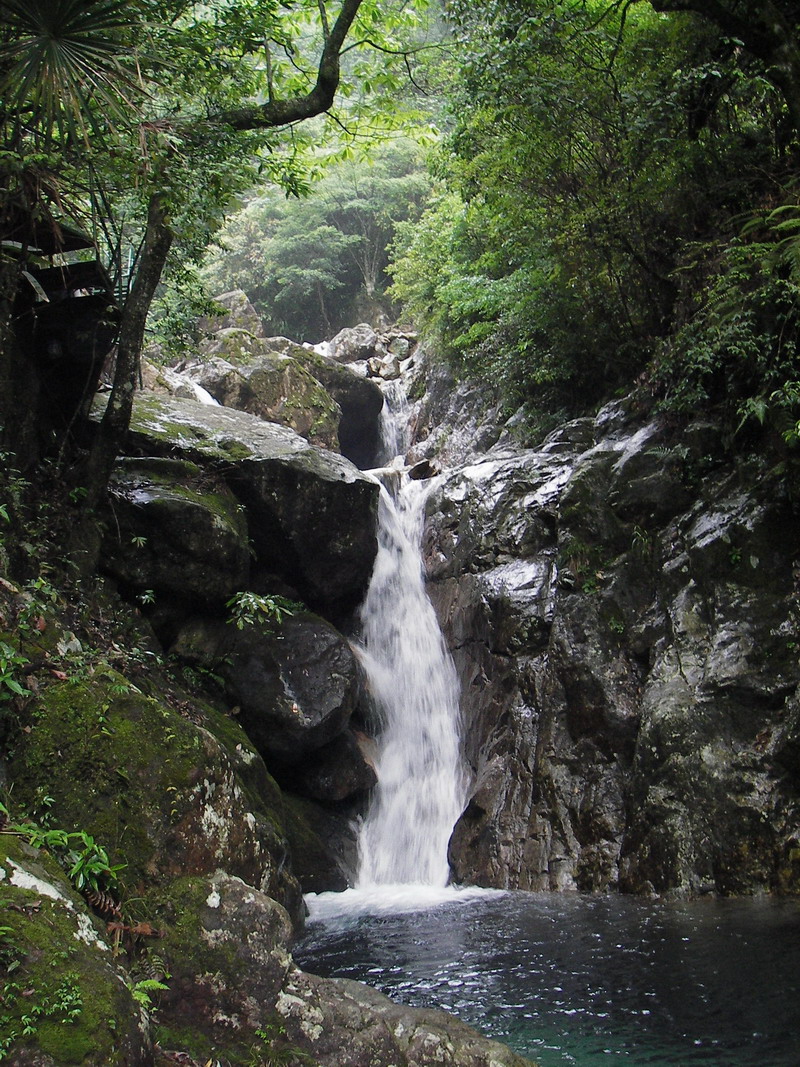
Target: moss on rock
x=64, y=1001
x=159, y=791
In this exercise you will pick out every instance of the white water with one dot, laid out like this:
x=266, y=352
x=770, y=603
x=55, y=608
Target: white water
x=394, y=422
x=421, y=783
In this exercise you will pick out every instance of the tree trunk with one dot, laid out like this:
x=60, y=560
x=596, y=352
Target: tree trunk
x=113, y=427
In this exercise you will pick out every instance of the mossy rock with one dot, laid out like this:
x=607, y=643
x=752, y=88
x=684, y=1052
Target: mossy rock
x=178, y=531
x=323, y=845
x=64, y=1001
x=279, y=388
x=158, y=791
x=226, y=946
x=312, y=514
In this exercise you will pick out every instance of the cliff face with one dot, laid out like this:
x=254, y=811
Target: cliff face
x=621, y=603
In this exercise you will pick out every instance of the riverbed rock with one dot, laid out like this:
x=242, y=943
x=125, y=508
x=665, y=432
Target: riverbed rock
x=164, y=794
x=359, y=400
x=237, y=313
x=356, y=343
x=311, y=513
x=344, y=768
x=270, y=384
x=234, y=982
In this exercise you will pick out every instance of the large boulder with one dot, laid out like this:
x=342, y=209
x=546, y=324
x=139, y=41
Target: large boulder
x=178, y=532
x=296, y=687
x=236, y=313
x=312, y=515
x=359, y=400
x=342, y=769
x=165, y=794
x=234, y=982
x=356, y=343
x=273, y=386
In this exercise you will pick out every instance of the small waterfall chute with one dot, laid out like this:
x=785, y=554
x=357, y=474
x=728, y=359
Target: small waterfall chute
x=421, y=782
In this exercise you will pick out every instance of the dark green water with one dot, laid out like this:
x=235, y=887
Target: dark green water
x=583, y=980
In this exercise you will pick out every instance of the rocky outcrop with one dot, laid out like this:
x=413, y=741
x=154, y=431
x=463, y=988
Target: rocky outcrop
x=360, y=401
x=98, y=745
x=311, y=514
x=296, y=685
x=233, y=978
x=452, y=421
x=270, y=384
x=178, y=532
x=621, y=609
x=236, y=313
x=356, y=343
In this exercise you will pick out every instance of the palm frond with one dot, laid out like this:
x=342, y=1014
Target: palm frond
x=63, y=62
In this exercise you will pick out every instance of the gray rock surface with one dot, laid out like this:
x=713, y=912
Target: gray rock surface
x=238, y=313
x=311, y=513
x=246, y=982
x=356, y=343
x=269, y=384
x=178, y=532
x=621, y=607
x=296, y=686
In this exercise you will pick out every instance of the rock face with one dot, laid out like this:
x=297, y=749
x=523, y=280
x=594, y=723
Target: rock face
x=256, y=378
x=621, y=608
x=311, y=514
x=179, y=531
x=297, y=687
x=237, y=314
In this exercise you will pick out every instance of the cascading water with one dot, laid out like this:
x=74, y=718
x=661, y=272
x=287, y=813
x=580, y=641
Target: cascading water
x=394, y=421
x=421, y=784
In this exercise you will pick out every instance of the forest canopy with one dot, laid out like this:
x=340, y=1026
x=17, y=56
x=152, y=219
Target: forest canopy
x=613, y=200
x=617, y=198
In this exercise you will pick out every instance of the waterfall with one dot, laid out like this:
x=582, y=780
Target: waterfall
x=394, y=421
x=421, y=783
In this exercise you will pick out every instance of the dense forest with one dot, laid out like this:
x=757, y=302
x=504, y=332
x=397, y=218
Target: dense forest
x=601, y=194
x=566, y=201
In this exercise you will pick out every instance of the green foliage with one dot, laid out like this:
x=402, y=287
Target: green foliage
x=740, y=348
x=316, y=264
x=62, y=1003
x=85, y=861
x=141, y=991
x=11, y=663
x=593, y=146
x=255, y=609
x=274, y=1050
x=57, y=54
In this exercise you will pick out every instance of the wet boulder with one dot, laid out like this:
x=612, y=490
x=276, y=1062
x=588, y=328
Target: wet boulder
x=179, y=531
x=276, y=388
x=296, y=686
x=356, y=343
x=165, y=795
x=234, y=982
x=65, y=1000
x=312, y=515
x=340, y=770
x=359, y=399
